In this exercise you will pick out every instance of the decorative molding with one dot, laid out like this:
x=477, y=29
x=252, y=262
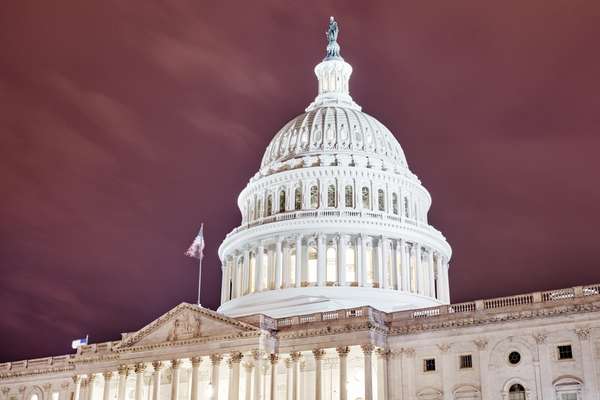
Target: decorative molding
x=481, y=343
x=444, y=347
x=583, y=333
x=540, y=338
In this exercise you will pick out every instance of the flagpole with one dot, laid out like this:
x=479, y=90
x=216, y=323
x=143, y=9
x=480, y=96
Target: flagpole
x=199, y=278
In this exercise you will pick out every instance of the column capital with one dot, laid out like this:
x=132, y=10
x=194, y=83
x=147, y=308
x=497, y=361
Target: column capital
x=318, y=353
x=481, y=343
x=295, y=356
x=383, y=353
x=139, y=368
x=91, y=378
x=444, y=347
x=257, y=355
x=107, y=375
x=274, y=358
x=583, y=333
x=367, y=348
x=235, y=357
x=215, y=359
x=196, y=361
x=248, y=366
x=157, y=365
x=409, y=352
x=176, y=363
x=76, y=379
x=342, y=351
x=123, y=370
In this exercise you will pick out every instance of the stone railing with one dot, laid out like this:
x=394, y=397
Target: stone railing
x=37, y=363
x=468, y=307
x=325, y=213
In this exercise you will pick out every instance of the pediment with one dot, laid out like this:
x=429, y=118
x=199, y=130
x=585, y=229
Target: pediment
x=185, y=323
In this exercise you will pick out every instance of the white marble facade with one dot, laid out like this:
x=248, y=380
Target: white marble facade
x=335, y=287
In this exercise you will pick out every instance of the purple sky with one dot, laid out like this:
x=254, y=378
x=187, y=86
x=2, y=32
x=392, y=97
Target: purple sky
x=123, y=126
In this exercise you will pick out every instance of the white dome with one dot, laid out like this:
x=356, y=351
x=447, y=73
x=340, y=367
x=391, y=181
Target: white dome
x=333, y=130
x=334, y=218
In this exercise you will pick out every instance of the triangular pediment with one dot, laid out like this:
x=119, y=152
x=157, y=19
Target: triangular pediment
x=185, y=323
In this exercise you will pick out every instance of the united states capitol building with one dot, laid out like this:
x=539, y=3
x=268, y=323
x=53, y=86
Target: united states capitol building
x=335, y=287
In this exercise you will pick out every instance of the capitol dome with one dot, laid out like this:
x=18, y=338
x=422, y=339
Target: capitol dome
x=334, y=218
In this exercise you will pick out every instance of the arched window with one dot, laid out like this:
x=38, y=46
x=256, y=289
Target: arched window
x=259, y=208
x=366, y=200
x=349, y=196
x=406, y=207
x=381, y=200
x=516, y=392
x=331, y=196
x=250, y=211
x=312, y=264
x=314, y=196
x=331, y=275
x=269, y=205
x=395, y=203
x=282, y=201
x=298, y=199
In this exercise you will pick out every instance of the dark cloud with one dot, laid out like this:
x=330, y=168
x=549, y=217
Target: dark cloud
x=126, y=124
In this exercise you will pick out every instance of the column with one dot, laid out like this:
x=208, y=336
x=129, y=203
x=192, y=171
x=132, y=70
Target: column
x=446, y=282
x=286, y=265
x=394, y=375
x=398, y=264
x=343, y=357
x=223, y=281
x=139, y=380
x=483, y=367
x=447, y=370
x=368, y=367
x=363, y=259
x=295, y=357
x=544, y=367
x=379, y=266
x=382, y=374
x=431, y=275
x=321, y=259
x=234, y=392
x=195, y=377
x=420, y=280
x=215, y=360
x=175, y=364
x=107, y=385
x=257, y=356
x=77, y=388
x=288, y=378
x=298, y=261
x=405, y=260
x=587, y=362
x=440, y=279
x=258, y=270
x=91, y=386
x=274, y=358
x=123, y=372
x=358, y=260
x=384, y=264
x=341, y=259
x=409, y=373
x=318, y=354
x=278, y=263
x=245, y=283
x=248, y=367
x=156, y=380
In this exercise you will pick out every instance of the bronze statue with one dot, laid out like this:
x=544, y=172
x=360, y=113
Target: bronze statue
x=333, y=48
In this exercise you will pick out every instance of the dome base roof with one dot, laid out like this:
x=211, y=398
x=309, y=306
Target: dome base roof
x=309, y=300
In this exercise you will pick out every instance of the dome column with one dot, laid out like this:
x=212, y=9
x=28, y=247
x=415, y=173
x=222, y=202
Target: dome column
x=258, y=270
x=398, y=264
x=405, y=261
x=385, y=254
x=286, y=265
x=321, y=259
x=245, y=283
x=298, y=269
x=363, y=261
x=420, y=280
x=431, y=274
x=341, y=259
x=379, y=267
x=278, y=262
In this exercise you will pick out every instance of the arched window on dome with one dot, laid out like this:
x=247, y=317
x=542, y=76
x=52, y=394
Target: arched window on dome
x=416, y=212
x=331, y=196
x=395, y=203
x=269, y=205
x=381, y=200
x=366, y=199
x=250, y=209
x=516, y=392
x=349, y=196
x=312, y=265
x=331, y=273
x=314, y=196
x=259, y=209
x=282, y=201
x=351, y=276
x=405, y=201
x=298, y=198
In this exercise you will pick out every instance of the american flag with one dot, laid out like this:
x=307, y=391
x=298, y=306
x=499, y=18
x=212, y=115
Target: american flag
x=196, y=250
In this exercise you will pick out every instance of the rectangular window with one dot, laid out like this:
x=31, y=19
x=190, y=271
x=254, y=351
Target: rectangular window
x=466, y=361
x=429, y=364
x=568, y=396
x=565, y=352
